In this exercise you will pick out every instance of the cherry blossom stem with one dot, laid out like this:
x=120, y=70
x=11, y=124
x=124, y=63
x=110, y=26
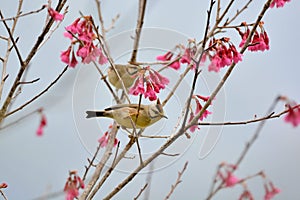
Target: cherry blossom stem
x=267, y=117
x=178, y=181
x=101, y=164
x=24, y=64
x=138, y=30
x=141, y=191
x=112, y=167
x=24, y=14
x=37, y=96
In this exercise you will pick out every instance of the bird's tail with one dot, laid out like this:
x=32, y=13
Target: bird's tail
x=91, y=114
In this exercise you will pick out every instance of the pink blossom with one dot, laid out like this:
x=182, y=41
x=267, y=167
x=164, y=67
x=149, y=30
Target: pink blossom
x=150, y=93
x=73, y=62
x=194, y=127
x=3, y=185
x=215, y=64
x=293, y=116
x=92, y=55
x=260, y=42
x=104, y=140
x=244, y=36
x=175, y=65
x=278, y=3
x=246, y=195
x=138, y=87
x=230, y=180
x=102, y=59
x=55, y=15
x=72, y=28
x=237, y=56
x=165, y=57
x=43, y=123
x=74, y=182
x=270, y=191
x=65, y=55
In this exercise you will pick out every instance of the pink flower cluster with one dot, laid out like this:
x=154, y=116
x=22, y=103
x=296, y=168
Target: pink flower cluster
x=43, y=123
x=198, y=108
x=149, y=85
x=55, y=15
x=72, y=185
x=226, y=175
x=104, y=139
x=81, y=32
x=278, y=3
x=259, y=42
x=224, y=53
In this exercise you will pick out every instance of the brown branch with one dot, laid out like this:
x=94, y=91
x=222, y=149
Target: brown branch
x=25, y=63
x=37, y=96
x=87, y=168
x=3, y=195
x=178, y=181
x=20, y=119
x=101, y=164
x=141, y=191
x=24, y=14
x=29, y=82
x=238, y=12
x=138, y=30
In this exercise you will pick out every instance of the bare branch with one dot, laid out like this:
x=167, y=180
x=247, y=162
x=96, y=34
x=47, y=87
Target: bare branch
x=178, y=181
x=141, y=191
x=37, y=96
x=25, y=14
x=138, y=30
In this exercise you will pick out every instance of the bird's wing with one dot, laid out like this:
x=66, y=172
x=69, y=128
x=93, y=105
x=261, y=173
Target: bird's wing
x=119, y=106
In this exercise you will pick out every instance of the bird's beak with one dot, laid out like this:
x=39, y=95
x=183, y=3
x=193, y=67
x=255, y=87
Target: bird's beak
x=164, y=116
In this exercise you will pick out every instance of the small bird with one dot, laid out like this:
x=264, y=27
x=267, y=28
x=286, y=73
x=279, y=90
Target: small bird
x=126, y=72
x=128, y=114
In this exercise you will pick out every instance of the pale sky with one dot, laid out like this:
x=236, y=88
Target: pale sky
x=34, y=166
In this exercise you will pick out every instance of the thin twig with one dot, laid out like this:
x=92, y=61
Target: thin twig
x=138, y=30
x=26, y=62
x=89, y=193
x=141, y=191
x=178, y=181
x=20, y=119
x=37, y=96
x=101, y=164
x=3, y=195
x=25, y=14
x=238, y=12
x=91, y=162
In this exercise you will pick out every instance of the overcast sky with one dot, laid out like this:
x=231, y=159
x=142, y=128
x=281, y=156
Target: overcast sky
x=35, y=166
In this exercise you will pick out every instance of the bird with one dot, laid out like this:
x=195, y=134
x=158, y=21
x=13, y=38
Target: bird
x=132, y=115
x=126, y=72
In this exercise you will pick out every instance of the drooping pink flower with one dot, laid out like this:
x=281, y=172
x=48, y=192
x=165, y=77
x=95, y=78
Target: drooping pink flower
x=237, y=56
x=175, y=65
x=244, y=35
x=74, y=61
x=55, y=15
x=194, y=127
x=150, y=92
x=72, y=28
x=165, y=57
x=246, y=195
x=138, y=87
x=105, y=137
x=65, y=55
x=231, y=180
x=293, y=116
x=81, y=32
x=260, y=42
x=74, y=182
x=3, y=185
x=278, y=3
x=43, y=123
x=270, y=191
